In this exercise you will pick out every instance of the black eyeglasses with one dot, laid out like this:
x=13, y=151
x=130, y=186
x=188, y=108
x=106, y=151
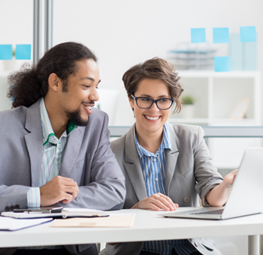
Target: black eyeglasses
x=146, y=102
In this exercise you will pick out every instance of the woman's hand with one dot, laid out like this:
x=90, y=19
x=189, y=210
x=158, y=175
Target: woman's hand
x=229, y=178
x=156, y=202
x=218, y=195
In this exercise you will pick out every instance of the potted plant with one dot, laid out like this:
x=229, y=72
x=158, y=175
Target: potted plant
x=188, y=106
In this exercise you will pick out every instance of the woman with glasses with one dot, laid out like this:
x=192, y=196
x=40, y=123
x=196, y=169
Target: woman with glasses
x=165, y=165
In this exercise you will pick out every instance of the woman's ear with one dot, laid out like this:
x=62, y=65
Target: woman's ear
x=131, y=101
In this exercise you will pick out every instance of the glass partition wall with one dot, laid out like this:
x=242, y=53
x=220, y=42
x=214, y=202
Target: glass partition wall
x=16, y=27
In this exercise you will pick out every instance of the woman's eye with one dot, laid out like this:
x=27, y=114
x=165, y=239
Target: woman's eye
x=163, y=100
x=146, y=99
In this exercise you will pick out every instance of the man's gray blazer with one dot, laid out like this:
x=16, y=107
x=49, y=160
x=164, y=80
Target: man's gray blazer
x=189, y=172
x=87, y=159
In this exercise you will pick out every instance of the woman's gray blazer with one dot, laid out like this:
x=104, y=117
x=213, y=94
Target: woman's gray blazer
x=189, y=172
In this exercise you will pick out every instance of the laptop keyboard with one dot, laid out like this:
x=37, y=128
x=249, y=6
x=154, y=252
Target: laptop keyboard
x=219, y=211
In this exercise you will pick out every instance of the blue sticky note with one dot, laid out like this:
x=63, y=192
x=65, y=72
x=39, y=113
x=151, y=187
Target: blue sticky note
x=221, y=35
x=236, y=52
x=248, y=34
x=6, y=52
x=23, y=51
x=222, y=64
x=250, y=56
x=198, y=35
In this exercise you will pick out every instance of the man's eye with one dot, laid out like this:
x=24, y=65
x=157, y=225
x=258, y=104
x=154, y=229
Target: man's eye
x=86, y=86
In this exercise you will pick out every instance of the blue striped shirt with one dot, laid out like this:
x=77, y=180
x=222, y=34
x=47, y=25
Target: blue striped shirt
x=153, y=169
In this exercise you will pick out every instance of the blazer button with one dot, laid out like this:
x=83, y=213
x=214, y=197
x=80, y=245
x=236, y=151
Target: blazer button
x=195, y=243
x=186, y=199
x=7, y=208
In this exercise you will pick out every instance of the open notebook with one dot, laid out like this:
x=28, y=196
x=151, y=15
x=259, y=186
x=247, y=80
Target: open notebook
x=10, y=224
x=64, y=213
x=244, y=196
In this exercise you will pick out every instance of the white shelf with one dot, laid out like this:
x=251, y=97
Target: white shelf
x=190, y=121
x=215, y=122
x=207, y=74
x=217, y=95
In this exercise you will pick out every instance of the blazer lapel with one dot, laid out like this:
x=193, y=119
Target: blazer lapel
x=34, y=142
x=170, y=160
x=71, y=153
x=133, y=166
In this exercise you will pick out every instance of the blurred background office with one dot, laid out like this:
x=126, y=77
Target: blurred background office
x=125, y=33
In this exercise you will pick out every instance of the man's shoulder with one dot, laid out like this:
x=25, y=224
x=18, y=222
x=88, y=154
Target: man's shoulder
x=98, y=115
x=96, y=125
x=15, y=114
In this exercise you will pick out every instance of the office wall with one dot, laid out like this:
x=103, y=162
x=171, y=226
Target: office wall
x=124, y=33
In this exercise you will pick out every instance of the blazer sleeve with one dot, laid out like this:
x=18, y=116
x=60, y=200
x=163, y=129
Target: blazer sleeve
x=206, y=174
x=14, y=196
x=103, y=184
x=14, y=163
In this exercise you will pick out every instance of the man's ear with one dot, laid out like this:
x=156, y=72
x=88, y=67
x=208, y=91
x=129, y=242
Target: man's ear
x=53, y=82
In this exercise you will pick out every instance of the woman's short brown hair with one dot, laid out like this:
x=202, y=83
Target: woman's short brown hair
x=155, y=68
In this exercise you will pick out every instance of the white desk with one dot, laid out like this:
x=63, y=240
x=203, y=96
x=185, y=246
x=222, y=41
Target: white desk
x=148, y=225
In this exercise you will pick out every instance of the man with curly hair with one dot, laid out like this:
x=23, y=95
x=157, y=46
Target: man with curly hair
x=55, y=148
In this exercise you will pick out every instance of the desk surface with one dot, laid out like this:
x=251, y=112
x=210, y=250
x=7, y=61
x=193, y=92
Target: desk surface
x=148, y=225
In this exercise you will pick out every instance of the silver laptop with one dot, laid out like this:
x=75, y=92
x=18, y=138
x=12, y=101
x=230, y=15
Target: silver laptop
x=246, y=194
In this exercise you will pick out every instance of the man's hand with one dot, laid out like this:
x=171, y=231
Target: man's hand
x=156, y=202
x=58, y=189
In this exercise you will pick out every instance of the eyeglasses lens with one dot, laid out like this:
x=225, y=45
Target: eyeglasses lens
x=162, y=104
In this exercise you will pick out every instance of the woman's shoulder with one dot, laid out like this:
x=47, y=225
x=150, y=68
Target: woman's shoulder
x=118, y=145
x=119, y=142
x=186, y=130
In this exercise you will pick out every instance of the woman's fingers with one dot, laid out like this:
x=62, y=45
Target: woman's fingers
x=157, y=202
x=164, y=202
x=229, y=178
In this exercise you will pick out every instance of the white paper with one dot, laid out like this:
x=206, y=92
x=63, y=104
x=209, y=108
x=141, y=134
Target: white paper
x=11, y=224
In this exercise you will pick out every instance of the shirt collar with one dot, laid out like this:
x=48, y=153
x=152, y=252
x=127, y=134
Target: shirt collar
x=165, y=144
x=47, y=130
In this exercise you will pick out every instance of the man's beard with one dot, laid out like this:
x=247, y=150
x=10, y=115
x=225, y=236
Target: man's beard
x=75, y=117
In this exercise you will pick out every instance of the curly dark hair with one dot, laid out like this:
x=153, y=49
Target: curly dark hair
x=31, y=83
x=155, y=68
